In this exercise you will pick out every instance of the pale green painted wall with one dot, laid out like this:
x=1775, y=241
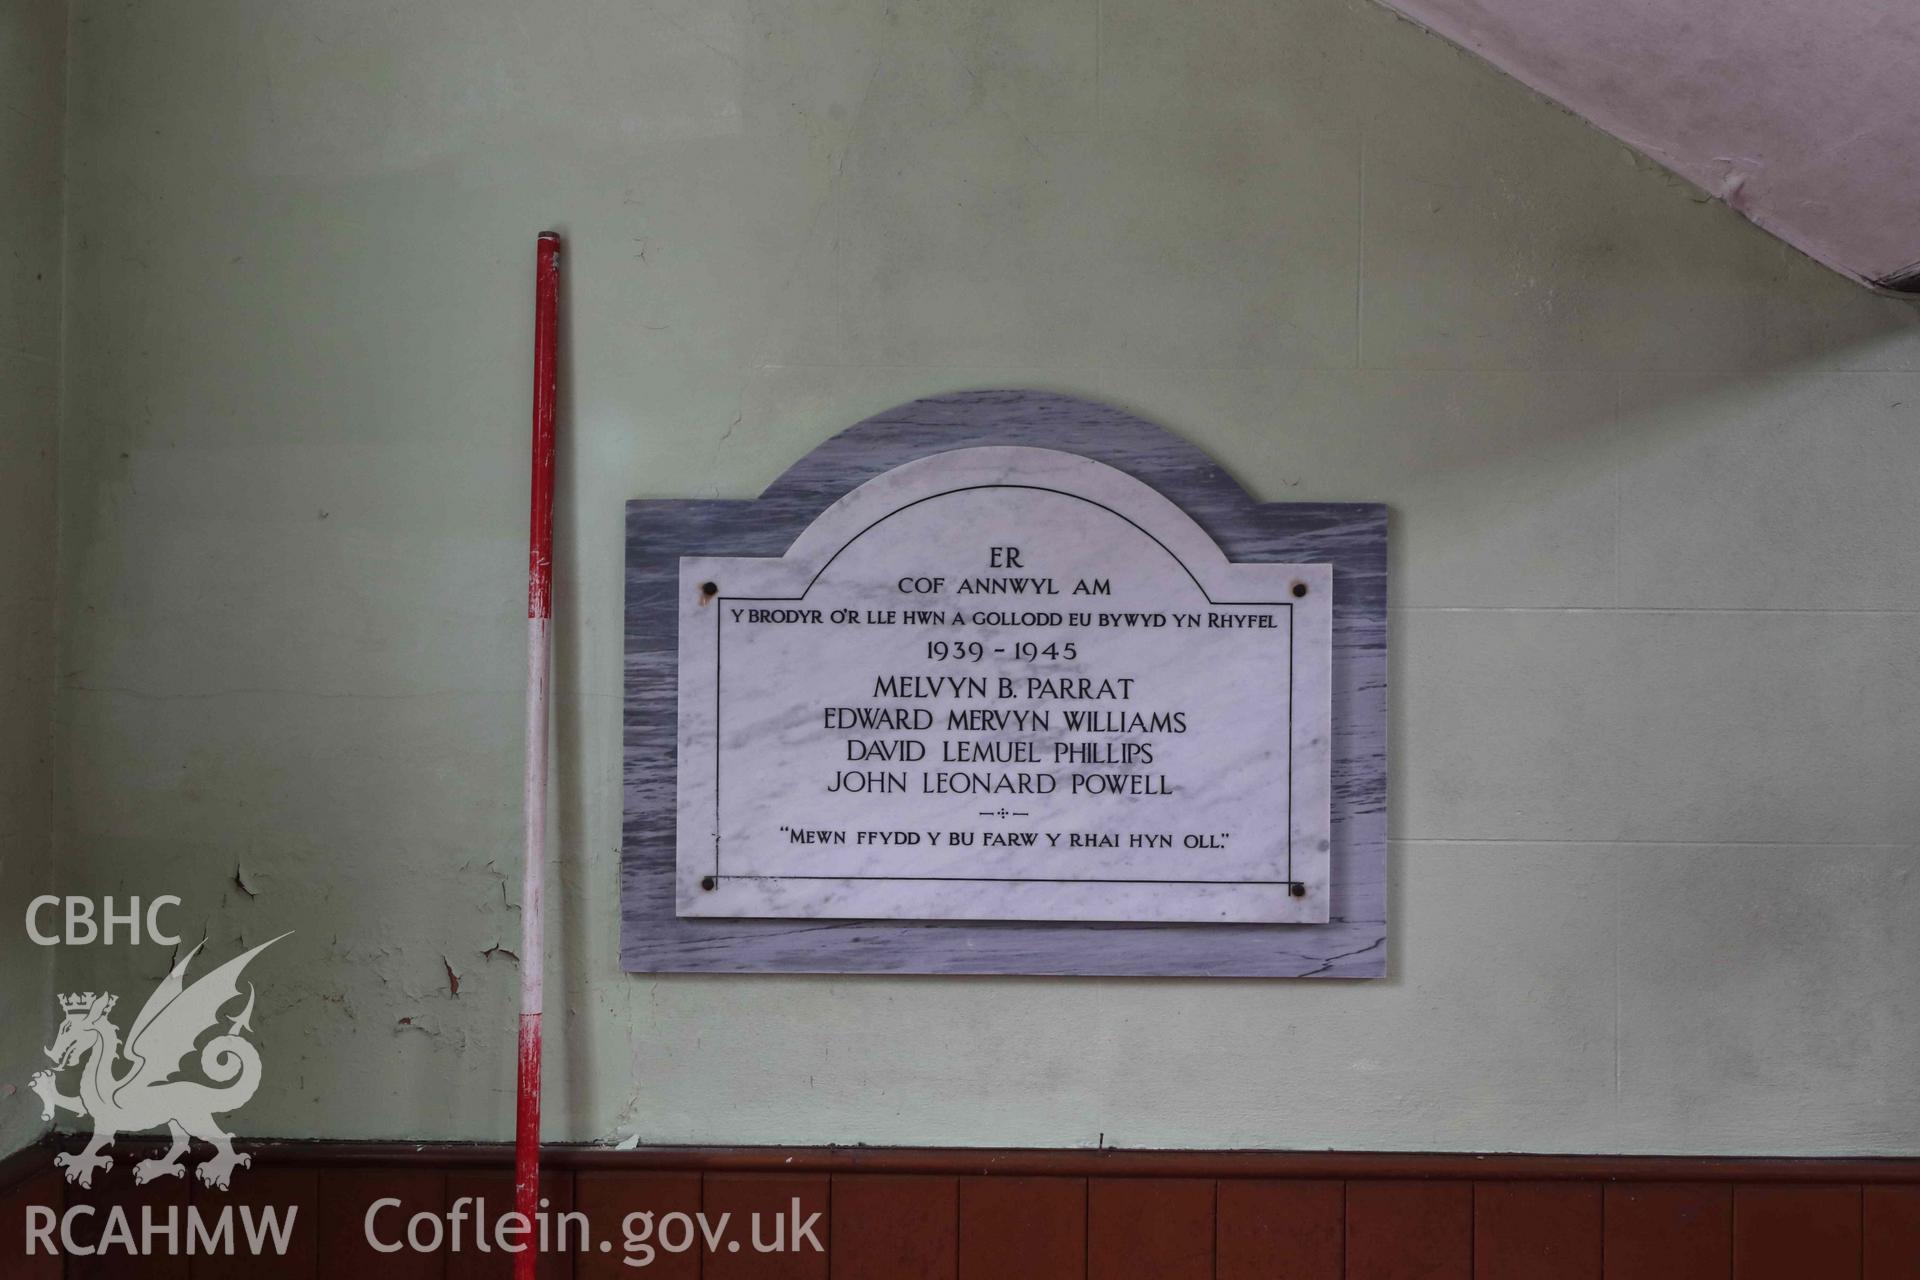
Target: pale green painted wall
x=1657, y=615
x=32, y=76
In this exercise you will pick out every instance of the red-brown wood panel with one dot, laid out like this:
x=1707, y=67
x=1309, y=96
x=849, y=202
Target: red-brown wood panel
x=1536, y=1231
x=1796, y=1233
x=1669, y=1231
x=766, y=1209
x=113, y=1190
x=1890, y=1218
x=287, y=1193
x=347, y=1196
x=610, y=1199
x=895, y=1227
x=956, y=1226
x=489, y=1197
x=1150, y=1229
x=1281, y=1230
x=1023, y=1228
x=45, y=1190
x=1409, y=1231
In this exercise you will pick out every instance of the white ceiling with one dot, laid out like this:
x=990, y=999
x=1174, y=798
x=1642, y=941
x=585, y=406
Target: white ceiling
x=1804, y=115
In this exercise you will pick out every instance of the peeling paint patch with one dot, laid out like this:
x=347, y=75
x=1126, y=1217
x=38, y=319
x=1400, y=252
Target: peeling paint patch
x=453, y=978
x=240, y=881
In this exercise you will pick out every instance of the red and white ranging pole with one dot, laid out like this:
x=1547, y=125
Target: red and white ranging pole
x=526, y=1134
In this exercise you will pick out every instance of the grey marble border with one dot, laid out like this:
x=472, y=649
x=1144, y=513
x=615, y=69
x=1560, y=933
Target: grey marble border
x=1352, y=536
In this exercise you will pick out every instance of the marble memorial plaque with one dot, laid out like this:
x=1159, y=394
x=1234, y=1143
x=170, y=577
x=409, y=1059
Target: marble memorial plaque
x=1004, y=684
x=1348, y=938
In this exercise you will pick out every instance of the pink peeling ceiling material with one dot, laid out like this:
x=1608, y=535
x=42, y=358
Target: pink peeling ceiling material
x=1804, y=115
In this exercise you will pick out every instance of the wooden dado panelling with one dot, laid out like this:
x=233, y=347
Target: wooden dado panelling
x=1048, y=1215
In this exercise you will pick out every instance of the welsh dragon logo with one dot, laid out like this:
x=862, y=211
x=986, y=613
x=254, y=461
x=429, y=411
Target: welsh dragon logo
x=146, y=1095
